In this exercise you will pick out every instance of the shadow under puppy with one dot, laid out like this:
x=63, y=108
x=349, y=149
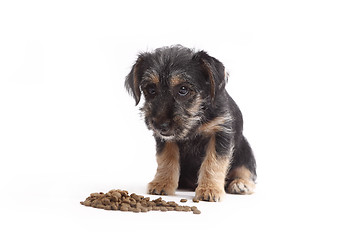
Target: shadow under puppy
x=197, y=125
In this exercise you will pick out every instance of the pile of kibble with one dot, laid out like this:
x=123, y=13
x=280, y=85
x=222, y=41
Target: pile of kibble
x=121, y=200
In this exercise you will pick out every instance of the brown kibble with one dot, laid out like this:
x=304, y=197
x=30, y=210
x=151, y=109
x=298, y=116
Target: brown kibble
x=187, y=208
x=144, y=203
x=158, y=200
x=95, y=195
x=196, y=211
x=114, y=199
x=172, y=204
x=126, y=205
x=99, y=205
x=117, y=194
x=120, y=200
x=124, y=208
x=105, y=201
x=136, y=210
x=195, y=200
x=155, y=208
x=143, y=209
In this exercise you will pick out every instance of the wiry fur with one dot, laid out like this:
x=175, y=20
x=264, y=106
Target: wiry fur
x=197, y=125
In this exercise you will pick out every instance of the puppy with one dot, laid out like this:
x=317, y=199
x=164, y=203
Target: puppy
x=196, y=124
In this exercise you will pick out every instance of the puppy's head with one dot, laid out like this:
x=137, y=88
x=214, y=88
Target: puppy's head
x=179, y=86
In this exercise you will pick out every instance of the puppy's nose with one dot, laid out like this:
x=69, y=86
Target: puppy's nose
x=164, y=127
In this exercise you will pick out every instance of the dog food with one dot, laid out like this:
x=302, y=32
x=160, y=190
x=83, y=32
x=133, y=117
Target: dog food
x=121, y=200
x=195, y=200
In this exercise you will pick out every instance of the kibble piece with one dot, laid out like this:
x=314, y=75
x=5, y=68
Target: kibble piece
x=187, y=209
x=144, y=203
x=194, y=208
x=99, y=205
x=114, y=198
x=155, y=208
x=117, y=194
x=113, y=206
x=195, y=200
x=124, y=208
x=106, y=201
x=183, y=200
x=172, y=204
x=178, y=208
x=87, y=203
x=94, y=194
x=136, y=210
x=158, y=200
x=196, y=211
x=144, y=209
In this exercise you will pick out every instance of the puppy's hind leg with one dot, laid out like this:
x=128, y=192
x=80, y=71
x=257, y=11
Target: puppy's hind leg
x=242, y=175
x=240, y=181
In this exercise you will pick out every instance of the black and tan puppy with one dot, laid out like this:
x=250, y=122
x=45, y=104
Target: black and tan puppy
x=197, y=125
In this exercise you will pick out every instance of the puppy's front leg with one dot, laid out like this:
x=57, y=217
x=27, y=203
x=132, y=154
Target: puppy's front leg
x=212, y=175
x=168, y=171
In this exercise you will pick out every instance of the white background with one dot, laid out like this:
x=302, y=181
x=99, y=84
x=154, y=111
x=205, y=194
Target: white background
x=68, y=127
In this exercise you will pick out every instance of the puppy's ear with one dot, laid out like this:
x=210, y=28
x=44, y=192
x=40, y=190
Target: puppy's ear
x=132, y=82
x=214, y=71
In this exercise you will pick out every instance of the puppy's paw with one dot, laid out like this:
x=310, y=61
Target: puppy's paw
x=210, y=194
x=161, y=188
x=241, y=186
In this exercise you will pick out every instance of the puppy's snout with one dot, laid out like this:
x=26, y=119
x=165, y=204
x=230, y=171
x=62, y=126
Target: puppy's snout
x=163, y=127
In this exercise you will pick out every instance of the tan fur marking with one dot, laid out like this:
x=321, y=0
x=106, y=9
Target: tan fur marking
x=190, y=122
x=168, y=171
x=242, y=181
x=176, y=81
x=154, y=78
x=194, y=109
x=214, y=125
x=212, y=175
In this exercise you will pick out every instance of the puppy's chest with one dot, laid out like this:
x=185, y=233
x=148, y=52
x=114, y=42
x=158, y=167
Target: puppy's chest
x=192, y=152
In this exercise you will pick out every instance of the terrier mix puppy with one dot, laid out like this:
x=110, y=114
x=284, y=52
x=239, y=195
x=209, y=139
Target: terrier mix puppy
x=197, y=125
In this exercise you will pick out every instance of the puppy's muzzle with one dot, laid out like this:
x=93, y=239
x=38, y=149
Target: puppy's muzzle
x=163, y=127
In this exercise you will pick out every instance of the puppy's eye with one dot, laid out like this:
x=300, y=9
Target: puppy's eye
x=183, y=91
x=151, y=90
